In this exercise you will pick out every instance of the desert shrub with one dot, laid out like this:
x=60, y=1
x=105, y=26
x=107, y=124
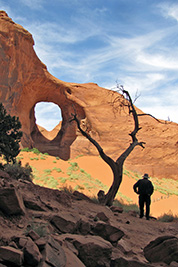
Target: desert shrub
x=67, y=189
x=168, y=217
x=74, y=166
x=57, y=158
x=26, y=149
x=78, y=187
x=39, y=227
x=34, y=158
x=16, y=171
x=47, y=171
x=62, y=179
x=57, y=169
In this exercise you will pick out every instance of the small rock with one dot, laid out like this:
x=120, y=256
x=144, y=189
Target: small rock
x=116, y=209
x=102, y=217
x=34, y=236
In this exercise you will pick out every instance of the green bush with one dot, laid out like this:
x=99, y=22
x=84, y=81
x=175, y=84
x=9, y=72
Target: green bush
x=16, y=171
x=10, y=136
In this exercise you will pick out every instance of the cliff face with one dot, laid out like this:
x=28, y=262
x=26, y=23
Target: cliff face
x=25, y=81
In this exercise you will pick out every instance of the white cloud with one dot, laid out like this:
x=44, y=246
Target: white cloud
x=33, y=4
x=169, y=10
x=159, y=61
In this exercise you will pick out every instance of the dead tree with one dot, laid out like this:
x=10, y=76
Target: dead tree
x=116, y=166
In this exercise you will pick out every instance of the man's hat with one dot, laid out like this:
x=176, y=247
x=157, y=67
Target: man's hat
x=146, y=175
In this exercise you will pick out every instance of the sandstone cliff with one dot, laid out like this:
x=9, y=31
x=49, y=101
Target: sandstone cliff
x=25, y=81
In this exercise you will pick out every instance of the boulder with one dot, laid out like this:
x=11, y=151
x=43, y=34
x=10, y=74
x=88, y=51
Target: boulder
x=32, y=255
x=11, y=202
x=162, y=249
x=11, y=255
x=55, y=257
x=108, y=232
x=123, y=262
x=33, y=205
x=83, y=227
x=64, y=223
x=93, y=251
x=71, y=259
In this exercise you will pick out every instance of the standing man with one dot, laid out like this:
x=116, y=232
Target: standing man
x=144, y=188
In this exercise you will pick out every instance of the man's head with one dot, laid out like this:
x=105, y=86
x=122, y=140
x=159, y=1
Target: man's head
x=146, y=176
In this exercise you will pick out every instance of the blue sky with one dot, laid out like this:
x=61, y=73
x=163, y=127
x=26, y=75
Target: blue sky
x=133, y=42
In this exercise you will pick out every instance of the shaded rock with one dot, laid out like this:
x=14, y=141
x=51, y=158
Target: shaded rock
x=11, y=202
x=11, y=255
x=64, y=198
x=116, y=209
x=33, y=205
x=53, y=254
x=55, y=257
x=72, y=259
x=64, y=223
x=32, y=255
x=101, y=216
x=123, y=262
x=34, y=236
x=83, y=227
x=43, y=264
x=41, y=242
x=108, y=232
x=162, y=249
x=4, y=174
x=93, y=251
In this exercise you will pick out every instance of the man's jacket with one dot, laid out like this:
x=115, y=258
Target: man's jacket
x=143, y=187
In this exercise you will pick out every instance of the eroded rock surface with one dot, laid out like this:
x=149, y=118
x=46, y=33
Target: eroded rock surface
x=63, y=236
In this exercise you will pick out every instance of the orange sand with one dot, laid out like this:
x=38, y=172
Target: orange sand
x=98, y=169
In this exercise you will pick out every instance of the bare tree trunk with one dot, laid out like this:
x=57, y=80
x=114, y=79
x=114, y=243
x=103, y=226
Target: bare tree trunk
x=116, y=166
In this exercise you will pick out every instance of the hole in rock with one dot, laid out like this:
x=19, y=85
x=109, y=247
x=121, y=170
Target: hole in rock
x=48, y=115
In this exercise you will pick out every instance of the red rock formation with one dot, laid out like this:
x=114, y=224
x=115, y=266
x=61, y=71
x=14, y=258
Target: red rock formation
x=25, y=81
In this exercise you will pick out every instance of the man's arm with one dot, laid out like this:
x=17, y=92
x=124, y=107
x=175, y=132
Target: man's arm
x=135, y=187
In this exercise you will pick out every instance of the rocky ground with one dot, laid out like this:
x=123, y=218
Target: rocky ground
x=45, y=227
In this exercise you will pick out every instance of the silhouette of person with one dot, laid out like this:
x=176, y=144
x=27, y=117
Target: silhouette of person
x=144, y=188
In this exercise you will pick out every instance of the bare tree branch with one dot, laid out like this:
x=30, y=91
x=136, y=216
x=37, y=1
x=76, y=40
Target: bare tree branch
x=116, y=166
